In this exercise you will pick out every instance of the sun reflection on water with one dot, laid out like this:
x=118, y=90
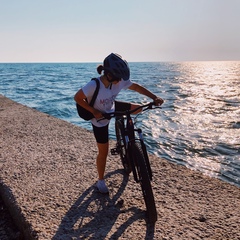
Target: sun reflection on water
x=203, y=130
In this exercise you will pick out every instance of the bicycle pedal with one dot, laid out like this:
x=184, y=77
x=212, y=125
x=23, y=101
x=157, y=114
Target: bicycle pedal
x=114, y=151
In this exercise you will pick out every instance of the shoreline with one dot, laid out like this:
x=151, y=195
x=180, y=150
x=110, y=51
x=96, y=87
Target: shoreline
x=48, y=181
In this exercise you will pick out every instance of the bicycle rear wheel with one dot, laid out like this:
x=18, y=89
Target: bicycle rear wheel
x=121, y=145
x=144, y=179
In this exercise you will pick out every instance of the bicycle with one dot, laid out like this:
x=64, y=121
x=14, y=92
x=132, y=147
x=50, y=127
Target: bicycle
x=133, y=153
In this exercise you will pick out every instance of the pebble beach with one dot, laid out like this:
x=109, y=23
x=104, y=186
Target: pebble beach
x=48, y=178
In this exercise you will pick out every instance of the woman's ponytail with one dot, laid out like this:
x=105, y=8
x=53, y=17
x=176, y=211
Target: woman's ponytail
x=100, y=68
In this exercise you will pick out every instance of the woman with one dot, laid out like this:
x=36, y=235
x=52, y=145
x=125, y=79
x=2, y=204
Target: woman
x=114, y=79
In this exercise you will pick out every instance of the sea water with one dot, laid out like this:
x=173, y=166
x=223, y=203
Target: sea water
x=198, y=125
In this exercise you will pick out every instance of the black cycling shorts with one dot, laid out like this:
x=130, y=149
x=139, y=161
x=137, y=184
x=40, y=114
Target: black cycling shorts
x=101, y=133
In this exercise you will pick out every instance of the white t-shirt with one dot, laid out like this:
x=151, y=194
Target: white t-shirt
x=105, y=98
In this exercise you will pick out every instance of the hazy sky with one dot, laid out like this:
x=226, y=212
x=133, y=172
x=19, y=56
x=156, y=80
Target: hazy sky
x=140, y=30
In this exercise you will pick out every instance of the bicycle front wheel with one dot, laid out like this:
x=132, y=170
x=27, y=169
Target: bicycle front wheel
x=121, y=145
x=144, y=179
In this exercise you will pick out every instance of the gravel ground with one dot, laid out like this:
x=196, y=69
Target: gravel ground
x=48, y=177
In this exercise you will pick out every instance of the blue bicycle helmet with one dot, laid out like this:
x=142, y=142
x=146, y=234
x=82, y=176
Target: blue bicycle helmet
x=117, y=66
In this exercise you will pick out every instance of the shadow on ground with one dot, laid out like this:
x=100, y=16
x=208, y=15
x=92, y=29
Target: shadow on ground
x=94, y=215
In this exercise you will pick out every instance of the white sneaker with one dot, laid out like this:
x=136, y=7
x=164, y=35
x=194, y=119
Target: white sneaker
x=101, y=185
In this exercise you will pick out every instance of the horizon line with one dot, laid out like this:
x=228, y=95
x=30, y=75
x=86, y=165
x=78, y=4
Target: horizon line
x=74, y=62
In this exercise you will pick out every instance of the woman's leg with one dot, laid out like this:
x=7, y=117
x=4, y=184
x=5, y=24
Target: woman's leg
x=101, y=135
x=101, y=164
x=135, y=105
x=102, y=159
x=124, y=106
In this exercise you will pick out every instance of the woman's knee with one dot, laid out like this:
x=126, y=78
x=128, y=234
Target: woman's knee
x=135, y=105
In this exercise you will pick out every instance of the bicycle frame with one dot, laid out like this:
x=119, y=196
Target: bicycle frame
x=132, y=134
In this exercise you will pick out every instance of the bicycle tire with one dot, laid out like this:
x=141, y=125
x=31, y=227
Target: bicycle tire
x=144, y=179
x=121, y=146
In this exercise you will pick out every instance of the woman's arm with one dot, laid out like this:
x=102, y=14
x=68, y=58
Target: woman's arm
x=80, y=99
x=142, y=90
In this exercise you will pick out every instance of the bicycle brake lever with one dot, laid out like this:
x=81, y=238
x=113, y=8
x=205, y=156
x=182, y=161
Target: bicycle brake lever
x=151, y=105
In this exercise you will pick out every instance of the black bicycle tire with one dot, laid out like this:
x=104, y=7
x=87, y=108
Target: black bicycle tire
x=121, y=145
x=139, y=161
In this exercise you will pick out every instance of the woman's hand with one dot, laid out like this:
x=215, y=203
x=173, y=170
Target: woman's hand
x=158, y=101
x=97, y=114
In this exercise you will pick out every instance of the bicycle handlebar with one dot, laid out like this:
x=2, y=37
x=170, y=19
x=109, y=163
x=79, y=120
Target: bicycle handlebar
x=122, y=113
